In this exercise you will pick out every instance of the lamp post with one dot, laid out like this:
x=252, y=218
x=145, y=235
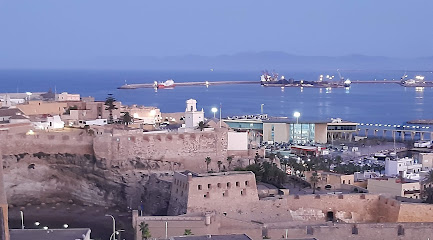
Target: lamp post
x=261, y=108
x=114, y=226
x=22, y=219
x=214, y=110
x=297, y=115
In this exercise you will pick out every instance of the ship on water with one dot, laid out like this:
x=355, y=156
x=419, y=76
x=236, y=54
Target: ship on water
x=267, y=79
x=272, y=80
x=418, y=81
x=167, y=84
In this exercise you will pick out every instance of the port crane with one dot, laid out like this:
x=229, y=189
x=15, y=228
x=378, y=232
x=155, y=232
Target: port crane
x=341, y=77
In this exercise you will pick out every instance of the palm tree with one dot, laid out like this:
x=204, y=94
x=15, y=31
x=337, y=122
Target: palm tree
x=428, y=189
x=229, y=160
x=207, y=160
x=219, y=163
x=314, y=179
x=256, y=158
x=110, y=106
x=202, y=125
x=145, y=232
x=127, y=119
x=187, y=232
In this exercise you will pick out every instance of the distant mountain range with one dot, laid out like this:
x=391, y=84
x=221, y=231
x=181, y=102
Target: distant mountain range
x=248, y=61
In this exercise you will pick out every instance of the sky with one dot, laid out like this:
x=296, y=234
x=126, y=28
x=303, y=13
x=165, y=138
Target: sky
x=44, y=30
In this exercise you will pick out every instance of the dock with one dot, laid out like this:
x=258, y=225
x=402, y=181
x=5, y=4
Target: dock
x=186, y=84
x=208, y=83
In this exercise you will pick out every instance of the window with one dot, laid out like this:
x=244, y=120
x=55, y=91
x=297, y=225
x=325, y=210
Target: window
x=243, y=192
x=237, y=184
x=209, y=186
x=199, y=187
x=247, y=183
x=349, y=181
x=229, y=184
x=219, y=185
x=344, y=181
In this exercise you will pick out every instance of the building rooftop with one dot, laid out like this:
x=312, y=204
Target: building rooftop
x=6, y=112
x=216, y=237
x=215, y=174
x=50, y=234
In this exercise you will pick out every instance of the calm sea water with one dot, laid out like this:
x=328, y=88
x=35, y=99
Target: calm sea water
x=367, y=103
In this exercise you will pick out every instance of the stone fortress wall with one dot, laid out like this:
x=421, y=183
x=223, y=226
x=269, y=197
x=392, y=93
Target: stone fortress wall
x=183, y=150
x=193, y=192
x=100, y=169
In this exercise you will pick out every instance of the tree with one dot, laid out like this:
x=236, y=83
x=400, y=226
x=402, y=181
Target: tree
x=187, y=232
x=256, y=158
x=110, y=106
x=229, y=160
x=208, y=160
x=219, y=163
x=145, y=232
x=314, y=179
x=202, y=125
x=126, y=119
x=427, y=192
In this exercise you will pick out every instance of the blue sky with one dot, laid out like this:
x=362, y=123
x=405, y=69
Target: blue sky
x=53, y=29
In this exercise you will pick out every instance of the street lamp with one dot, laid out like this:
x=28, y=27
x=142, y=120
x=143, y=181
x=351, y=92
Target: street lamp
x=114, y=226
x=22, y=219
x=214, y=110
x=297, y=115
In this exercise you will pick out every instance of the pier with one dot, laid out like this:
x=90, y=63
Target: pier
x=186, y=84
x=332, y=85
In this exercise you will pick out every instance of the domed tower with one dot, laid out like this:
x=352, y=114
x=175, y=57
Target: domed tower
x=192, y=116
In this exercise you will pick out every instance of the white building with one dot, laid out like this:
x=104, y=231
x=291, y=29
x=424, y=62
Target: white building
x=51, y=123
x=192, y=116
x=64, y=96
x=404, y=167
x=361, y=176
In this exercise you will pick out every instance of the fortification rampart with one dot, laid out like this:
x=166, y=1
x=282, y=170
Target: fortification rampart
x=383, y=231
x=186, y=150
x=46, y=142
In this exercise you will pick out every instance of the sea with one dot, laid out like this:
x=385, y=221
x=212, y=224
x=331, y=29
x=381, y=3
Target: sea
x=364, y=103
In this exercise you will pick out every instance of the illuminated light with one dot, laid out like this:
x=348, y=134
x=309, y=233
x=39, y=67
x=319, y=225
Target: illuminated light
x=30, y=132
x=362, y=124
x=214, y=109
x=37, y=223
x=398, y=125
x=427, y=127
x=28, y=93
x=207, y=82
x=296, y=114
x=395, y=125
x=65, y=225
x=45, y=228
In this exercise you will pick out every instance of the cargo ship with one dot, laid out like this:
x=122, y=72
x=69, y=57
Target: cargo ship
x=167, y=84
x=267, y=79
x=272, y=80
